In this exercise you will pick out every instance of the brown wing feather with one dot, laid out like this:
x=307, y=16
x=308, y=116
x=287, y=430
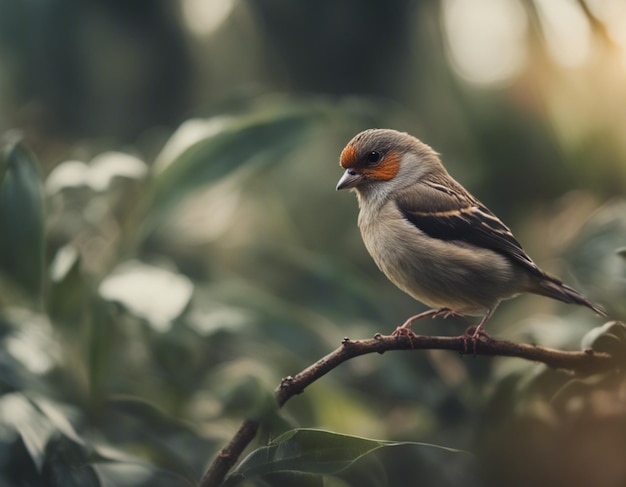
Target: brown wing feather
x=451, y=213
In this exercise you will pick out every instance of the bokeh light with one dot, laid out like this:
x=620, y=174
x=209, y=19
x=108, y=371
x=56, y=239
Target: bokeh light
x=486, y=38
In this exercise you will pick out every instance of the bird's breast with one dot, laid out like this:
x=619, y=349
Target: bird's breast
x=436, y=272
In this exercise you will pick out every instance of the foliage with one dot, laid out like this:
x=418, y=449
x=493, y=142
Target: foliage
x=304, y=455
x=164, y=324
x=22, y=253
x=171, y=243
x=547, y=427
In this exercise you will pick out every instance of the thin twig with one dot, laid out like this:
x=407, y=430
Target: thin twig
x=584, y=362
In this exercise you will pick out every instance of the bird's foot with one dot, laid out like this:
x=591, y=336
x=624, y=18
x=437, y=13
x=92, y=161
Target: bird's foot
x=472, y=336
x=404, y=331
x=405, y=328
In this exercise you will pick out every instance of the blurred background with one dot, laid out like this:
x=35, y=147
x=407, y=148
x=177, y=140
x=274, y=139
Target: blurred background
x=171, y=242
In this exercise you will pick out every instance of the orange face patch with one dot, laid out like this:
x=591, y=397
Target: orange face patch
x=387, y=169
x=349, y=157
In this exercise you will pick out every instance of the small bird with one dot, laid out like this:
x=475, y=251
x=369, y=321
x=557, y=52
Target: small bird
x=432, y=238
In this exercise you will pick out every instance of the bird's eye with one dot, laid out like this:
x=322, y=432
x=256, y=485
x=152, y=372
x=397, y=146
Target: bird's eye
x=373, y=157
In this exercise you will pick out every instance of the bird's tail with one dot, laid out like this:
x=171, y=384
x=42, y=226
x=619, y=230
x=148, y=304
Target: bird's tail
x=553, y=288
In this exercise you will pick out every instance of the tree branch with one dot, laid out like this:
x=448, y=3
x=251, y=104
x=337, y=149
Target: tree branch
x=228, y=456
x=584, y=362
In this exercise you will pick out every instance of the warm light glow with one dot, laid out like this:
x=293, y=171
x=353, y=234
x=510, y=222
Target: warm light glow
x=205, y=16
x=486, y=38
x=612, y=13
x=566, y=30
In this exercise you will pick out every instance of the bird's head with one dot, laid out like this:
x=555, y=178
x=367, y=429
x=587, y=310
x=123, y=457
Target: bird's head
x=379, y=161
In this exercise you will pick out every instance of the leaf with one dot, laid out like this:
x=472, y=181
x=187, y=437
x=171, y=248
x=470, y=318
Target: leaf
x=16, y=465
x=597, y=257
x=21, y=218
x=311, y=451
x=259, y=139
x=69, y=463
x=155, y=294
x=171, y=443
x=67, y=292
x=20, y=415
x=29, y=350
x=120, y=468
x=284, y=479
x=137, y=474
x=36, y=420
x=609, y=338
x=66, y=464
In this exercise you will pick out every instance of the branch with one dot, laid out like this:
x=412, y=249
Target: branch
x=584, y=362
x=228, y=456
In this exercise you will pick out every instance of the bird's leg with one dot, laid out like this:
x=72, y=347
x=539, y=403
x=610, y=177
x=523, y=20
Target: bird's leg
x=405, y=328
x=470, y=336
x=447, y=313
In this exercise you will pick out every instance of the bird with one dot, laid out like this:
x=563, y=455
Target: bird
x=432, y=238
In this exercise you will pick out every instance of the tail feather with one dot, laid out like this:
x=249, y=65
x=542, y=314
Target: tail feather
x=553, y=288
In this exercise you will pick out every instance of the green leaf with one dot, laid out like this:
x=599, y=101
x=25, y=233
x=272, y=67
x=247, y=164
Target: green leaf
x=16, y=465
x=36, y=419
x=137, y=474
x=67, y=296
x=597, y=257
x=311, y=452
x=66, y=464
x=171, y=443
x=609, y=338
x=254, y=140
x=70, y=463
x=21, y=218
x=283, y=479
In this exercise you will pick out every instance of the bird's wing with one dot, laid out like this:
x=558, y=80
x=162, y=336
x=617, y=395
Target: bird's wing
x=450, y=213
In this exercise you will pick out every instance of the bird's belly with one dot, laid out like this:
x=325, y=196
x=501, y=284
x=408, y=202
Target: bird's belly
x=439, y=273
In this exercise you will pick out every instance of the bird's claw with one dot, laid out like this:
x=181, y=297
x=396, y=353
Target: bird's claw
x=473, y=335
x=404, y=331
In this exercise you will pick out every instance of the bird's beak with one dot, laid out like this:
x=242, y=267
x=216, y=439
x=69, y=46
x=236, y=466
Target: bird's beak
x=350, y=179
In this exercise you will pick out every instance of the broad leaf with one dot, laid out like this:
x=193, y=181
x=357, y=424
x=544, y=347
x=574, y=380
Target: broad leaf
x=21, y=218
x=311, y=452
x=254, y=140
x=66, y=464
x=609, y=338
